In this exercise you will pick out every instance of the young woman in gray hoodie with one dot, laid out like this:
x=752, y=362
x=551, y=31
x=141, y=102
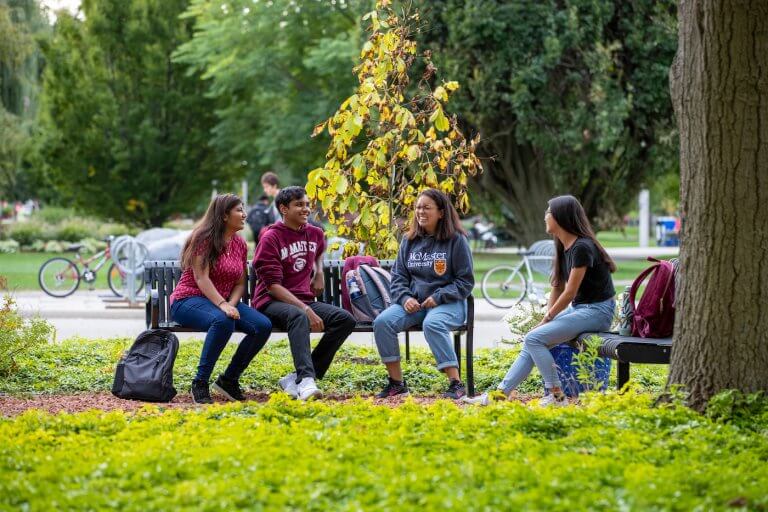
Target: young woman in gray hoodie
x=431, y=279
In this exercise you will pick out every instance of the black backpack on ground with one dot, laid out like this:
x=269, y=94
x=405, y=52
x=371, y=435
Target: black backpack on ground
x=145, y=372
x=259, y=217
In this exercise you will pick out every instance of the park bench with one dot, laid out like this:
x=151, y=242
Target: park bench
x=627, y=350
x=161, y=277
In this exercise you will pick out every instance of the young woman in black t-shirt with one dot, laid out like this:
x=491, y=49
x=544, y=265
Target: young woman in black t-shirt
x=582, y=298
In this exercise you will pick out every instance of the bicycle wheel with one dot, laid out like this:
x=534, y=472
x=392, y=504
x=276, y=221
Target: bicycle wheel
x=59, y=277
x=503, y=286
x=117, y=281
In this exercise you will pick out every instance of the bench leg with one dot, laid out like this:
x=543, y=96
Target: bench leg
x=407, y=346
x=622, y=374
x=470, y=369
x=457, y=348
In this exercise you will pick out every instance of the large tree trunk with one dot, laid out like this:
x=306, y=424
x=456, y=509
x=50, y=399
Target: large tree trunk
x=516, y=180
x=719, y=83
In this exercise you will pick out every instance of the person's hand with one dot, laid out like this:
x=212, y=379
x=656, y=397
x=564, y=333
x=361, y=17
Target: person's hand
x=429, y=303
x=411, y=305
x=315, y=322
x=318, y=283
x=230, y=310
x=547, y=318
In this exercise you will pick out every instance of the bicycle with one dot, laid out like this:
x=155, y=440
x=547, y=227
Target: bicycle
x=60, y=277
x=505, y=286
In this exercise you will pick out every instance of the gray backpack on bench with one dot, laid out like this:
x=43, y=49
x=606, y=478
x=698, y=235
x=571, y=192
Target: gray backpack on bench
x=145, y=372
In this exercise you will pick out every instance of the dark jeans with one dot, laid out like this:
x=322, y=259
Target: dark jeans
x=201, y=313
x=338, y=326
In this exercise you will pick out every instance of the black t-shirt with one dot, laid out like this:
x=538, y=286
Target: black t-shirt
x=597, y=285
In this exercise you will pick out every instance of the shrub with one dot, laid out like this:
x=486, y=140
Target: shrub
x=19, y=336
x=27, y=233
x=9, y=246
x=74, y=230
x=54, y=214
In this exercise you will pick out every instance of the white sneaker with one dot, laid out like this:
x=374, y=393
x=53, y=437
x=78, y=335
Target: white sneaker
x=477, y=400
x=550, y=401
x=288, y=384
x=307, y=389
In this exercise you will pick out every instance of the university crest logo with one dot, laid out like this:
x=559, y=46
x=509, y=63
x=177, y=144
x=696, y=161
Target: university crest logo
x=440, y=266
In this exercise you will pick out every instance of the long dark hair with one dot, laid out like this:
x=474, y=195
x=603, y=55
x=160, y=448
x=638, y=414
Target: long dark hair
x=207, y=237
x=447, y=226
x=570, y=215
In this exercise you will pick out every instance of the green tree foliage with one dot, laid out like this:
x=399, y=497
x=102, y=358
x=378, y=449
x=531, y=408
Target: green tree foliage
x=388, y=142
x=570, y=97
x=274, y=69
x=126, y=129
x=22, y=23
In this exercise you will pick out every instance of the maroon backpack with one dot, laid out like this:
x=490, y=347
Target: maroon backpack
x=654, y=315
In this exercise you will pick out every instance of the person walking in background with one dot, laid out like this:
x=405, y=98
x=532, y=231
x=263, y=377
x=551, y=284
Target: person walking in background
x=581, y=300
x=271, y=185
x=286, y=257
x=207, y=298
x=431, y=280
x=260, y=215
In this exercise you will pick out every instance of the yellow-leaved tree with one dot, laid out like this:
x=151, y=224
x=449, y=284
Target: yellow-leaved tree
x=389, y=141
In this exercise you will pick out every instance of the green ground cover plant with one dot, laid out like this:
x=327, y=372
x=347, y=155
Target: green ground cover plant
x=81, y=365
x=612, y=453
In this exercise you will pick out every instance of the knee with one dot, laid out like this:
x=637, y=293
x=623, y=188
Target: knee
x=259, y=324
x=383, y=321
x=223, y=322
x=433, y=324
x=297, y=317
x=533, y=340
x=348, y=321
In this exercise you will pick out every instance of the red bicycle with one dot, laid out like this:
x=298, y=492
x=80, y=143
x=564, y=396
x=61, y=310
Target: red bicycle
x=61, y=277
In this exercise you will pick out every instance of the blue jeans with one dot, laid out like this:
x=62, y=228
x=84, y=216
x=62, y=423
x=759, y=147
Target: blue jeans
x=566, y=326
x=201, y=313
x=437, y=323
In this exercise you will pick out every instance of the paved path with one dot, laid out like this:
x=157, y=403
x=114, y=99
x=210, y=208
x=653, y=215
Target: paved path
x=86, y=315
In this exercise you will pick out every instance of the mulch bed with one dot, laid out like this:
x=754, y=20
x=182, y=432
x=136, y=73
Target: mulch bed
x=14, y=405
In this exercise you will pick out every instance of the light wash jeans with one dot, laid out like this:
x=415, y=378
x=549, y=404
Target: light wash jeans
x=566, y=326
x=437, y=323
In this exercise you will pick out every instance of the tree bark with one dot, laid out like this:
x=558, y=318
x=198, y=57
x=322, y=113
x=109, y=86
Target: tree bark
x=719, y=84
x=516, y=179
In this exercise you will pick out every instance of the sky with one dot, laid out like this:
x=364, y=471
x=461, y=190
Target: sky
x=55, y=5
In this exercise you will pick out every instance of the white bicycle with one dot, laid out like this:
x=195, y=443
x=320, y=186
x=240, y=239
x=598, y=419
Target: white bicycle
x=505, y=286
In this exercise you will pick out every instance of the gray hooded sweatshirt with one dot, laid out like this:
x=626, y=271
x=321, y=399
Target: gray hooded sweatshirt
x=427, y=267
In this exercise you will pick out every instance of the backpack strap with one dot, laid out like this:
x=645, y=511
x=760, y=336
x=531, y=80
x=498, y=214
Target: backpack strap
x=377, y=273
x=639, y=281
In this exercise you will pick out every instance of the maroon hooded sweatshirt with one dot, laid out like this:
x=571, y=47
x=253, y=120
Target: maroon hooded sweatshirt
x=285, y=256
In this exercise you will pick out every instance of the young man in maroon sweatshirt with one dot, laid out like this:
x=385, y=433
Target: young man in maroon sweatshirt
x=287, y=253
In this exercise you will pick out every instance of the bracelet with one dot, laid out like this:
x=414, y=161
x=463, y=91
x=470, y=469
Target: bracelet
x=222, y=302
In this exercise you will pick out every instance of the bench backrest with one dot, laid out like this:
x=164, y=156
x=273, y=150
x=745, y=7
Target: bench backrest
x=161, y=277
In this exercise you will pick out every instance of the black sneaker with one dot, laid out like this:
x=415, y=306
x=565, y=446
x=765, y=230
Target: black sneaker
x=394, y=388
x=230, y=390
x=455, y=390
x=200, y=392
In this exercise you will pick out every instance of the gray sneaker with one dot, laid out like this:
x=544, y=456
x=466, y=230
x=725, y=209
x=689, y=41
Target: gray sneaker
x=288, y=384
x=307, y=389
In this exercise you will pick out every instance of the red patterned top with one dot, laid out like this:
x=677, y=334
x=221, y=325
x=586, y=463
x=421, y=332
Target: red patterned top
x=225, y=274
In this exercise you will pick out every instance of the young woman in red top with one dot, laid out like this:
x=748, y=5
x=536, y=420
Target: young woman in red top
x=208, y=297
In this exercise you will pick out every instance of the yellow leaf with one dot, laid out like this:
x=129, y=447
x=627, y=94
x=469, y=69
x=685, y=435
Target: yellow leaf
x=440, y=94
x=318, y=129
x=341, y=185
x=452, y=86
x=413, y=153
